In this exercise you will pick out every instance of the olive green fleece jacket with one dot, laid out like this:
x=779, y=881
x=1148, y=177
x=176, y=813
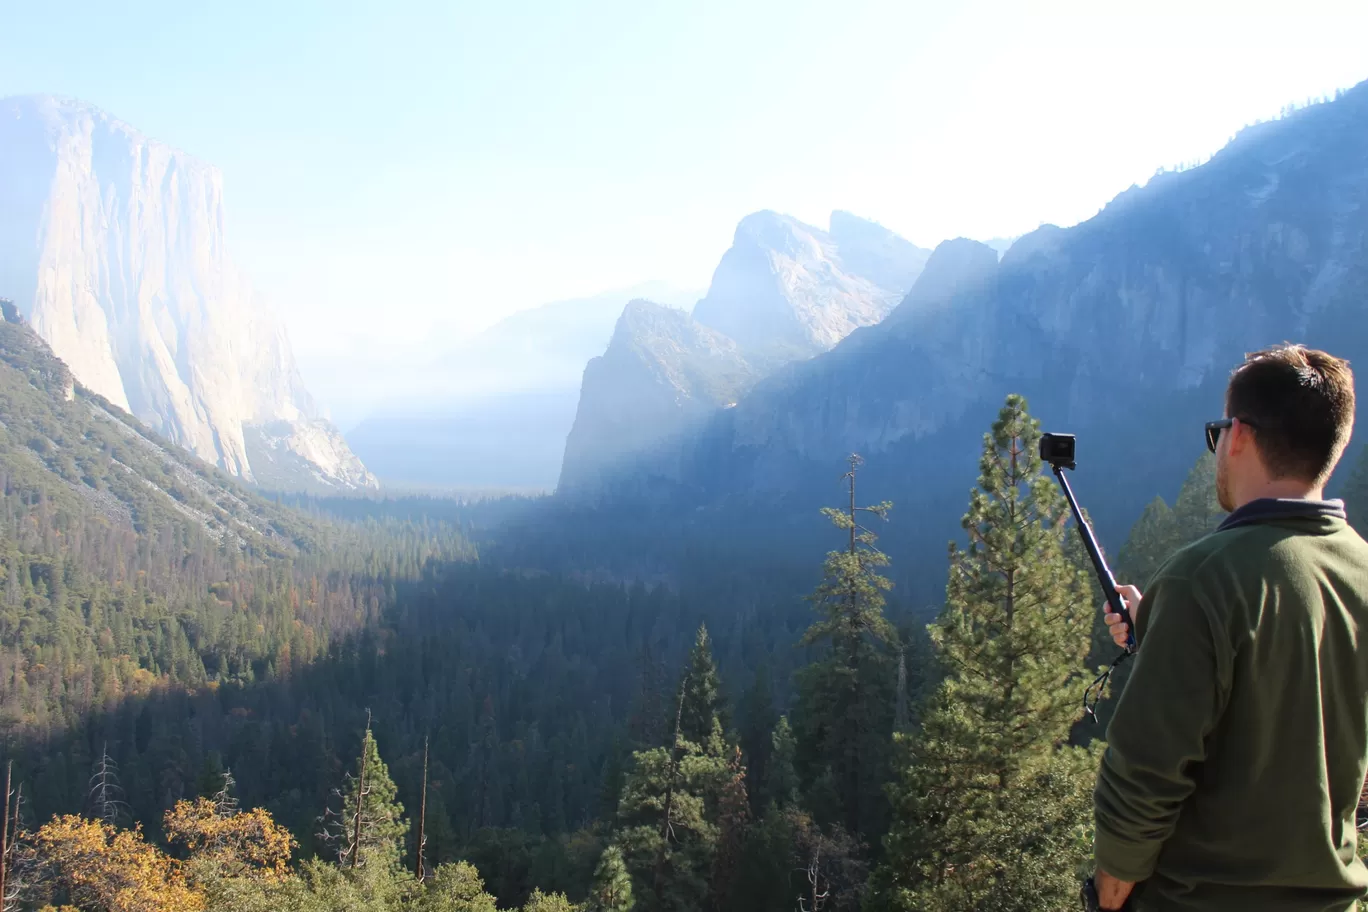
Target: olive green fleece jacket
x=1238, y=750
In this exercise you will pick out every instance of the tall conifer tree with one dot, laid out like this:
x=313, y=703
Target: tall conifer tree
x=702, y=696
x=612, y=887
x=843, y=718
x=991, y=807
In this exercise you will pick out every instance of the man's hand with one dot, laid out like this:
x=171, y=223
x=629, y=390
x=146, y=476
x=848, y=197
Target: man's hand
x=1111, y=893
x=1115, y=626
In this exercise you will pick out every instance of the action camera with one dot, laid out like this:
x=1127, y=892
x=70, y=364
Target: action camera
x=1058, y=450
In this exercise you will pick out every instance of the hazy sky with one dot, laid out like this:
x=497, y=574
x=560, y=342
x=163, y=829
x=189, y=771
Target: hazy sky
x=402, y=172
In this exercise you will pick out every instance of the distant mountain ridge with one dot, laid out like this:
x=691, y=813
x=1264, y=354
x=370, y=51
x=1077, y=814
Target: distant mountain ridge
x=113, y=246
x=1122, y=329
x=783, y=292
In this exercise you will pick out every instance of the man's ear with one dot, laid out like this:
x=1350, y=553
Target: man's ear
x=1241, y=437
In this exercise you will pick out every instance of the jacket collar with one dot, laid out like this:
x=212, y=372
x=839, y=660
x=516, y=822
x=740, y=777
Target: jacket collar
x=1270, y=508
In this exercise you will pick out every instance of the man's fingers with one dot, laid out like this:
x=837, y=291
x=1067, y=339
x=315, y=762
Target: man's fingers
x=1133, y=599
x=1119, y=630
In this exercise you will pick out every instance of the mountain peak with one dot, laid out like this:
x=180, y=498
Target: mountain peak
x=786, y=290
x=65, y=113
x=776, y=231
x=955, y=266
x=663, y=374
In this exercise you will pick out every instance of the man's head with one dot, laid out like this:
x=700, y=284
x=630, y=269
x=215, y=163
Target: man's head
x=1291, y=411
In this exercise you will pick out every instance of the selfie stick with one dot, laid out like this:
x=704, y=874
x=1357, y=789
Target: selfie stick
x=1104, y=574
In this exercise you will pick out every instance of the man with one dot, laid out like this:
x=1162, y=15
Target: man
x=1238, y=750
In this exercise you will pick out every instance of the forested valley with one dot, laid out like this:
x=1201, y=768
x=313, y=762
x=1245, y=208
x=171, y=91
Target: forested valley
x=336, y=704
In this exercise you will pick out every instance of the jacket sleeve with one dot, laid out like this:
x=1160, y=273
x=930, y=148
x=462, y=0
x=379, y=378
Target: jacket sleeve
x=1174, y=697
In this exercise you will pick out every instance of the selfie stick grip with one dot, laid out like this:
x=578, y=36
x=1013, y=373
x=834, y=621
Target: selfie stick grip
x=1104, y=574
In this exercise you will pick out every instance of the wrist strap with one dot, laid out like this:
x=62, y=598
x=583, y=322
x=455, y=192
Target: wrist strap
x=1091, y=902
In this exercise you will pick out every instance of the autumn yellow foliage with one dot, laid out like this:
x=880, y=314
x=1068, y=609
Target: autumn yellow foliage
x=244, y=842
x=98, y=867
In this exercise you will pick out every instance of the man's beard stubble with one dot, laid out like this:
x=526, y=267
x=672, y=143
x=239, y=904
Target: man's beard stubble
x=1223, y=486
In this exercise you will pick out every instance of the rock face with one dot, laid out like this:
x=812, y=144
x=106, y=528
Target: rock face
x=113, y=247
x=786, y=290
x=783, y=292
x=661, y=377
x=1122, y=329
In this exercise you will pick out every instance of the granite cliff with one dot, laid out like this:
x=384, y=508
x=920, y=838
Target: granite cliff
x=661, y=377
x=113, y=247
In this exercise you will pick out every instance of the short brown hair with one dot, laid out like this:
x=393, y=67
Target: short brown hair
x=1300, y=403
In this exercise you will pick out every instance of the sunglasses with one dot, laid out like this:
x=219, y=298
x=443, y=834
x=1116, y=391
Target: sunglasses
x=1214, y=428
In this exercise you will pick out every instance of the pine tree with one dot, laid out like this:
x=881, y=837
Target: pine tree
x=758, y=716
x=666, y=831
x=702, y=700
x=844, y=712
x=612, y=889
x=781, y=781
x=548, y=902
x=439, y=834
x=900, y=717
x=652, y=704
x=1198, y=508
x=367, y=827
x=1160, y=531
x=454, y=888
x=991, y=807
x=1151, y=540
x=733, y=817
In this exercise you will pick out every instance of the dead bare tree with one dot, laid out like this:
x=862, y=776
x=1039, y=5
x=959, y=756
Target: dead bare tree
x=819, y=888
x=18, y=859
x=832, y=863
x=225, y=802
x=666, y=823
x=5, y=829
x=420, y=869
x=105, y=793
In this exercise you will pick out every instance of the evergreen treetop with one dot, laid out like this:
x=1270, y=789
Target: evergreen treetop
x=702, y=698
x=612, y=888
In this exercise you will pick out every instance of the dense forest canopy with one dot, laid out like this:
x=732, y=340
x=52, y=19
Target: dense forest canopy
x=215, y=699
